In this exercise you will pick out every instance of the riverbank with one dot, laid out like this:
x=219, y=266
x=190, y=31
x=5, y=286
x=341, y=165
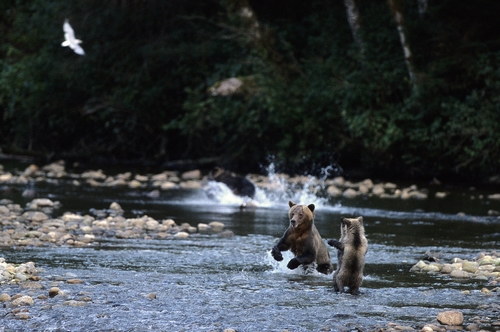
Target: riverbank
x=25, y=180
x=43, y=222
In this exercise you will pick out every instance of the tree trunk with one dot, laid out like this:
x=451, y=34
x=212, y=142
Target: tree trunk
x=396, y=7
x=262, y=38
x=355, y=24
x=422, y=7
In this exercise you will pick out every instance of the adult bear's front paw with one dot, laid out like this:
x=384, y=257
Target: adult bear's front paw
x=293, y=264
x=276, y=254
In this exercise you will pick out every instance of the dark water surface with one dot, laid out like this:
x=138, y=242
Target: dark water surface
x=207, y=283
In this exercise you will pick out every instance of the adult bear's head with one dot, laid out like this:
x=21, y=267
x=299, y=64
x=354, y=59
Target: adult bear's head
x=301, y=216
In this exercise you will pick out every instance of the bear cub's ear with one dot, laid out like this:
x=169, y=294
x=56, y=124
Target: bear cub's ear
x=311, y=207
x=345, y=221
x=360, y=219
x=290, y=203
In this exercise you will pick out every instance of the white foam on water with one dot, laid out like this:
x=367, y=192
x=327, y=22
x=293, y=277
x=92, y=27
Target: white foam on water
x=281, y=266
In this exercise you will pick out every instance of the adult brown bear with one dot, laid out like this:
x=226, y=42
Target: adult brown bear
x=352, y=247
x=303, y=240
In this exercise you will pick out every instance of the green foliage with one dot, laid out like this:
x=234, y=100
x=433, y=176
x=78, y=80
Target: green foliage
x=142, y=90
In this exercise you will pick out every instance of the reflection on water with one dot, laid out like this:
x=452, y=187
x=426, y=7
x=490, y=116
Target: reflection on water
x=207, y=283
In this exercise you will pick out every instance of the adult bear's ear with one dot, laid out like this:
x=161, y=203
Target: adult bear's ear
x=290, y=203
x=311, y=207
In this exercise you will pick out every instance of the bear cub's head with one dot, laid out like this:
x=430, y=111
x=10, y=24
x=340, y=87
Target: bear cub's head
x=301, y=216
x=351, y=225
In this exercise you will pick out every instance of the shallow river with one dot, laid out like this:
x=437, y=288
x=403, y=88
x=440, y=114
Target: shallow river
x=208, y=283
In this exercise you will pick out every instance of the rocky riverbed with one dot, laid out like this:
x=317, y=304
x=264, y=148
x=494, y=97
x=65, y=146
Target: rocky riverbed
x=42, y=222
x=56, y=172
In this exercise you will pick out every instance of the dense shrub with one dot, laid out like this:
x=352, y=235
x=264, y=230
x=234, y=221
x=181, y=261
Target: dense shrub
x=311, y=98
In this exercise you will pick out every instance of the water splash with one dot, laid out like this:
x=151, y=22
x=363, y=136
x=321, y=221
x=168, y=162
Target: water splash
x=275, y=189
x=281, y=266
x=280, y=188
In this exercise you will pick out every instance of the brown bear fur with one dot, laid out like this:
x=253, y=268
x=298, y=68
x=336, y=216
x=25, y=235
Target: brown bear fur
x=352, y=247
x=303, y=240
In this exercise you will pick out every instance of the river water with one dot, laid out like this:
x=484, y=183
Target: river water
x=211, y=283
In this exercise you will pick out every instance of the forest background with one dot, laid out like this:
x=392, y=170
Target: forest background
x=381, y=88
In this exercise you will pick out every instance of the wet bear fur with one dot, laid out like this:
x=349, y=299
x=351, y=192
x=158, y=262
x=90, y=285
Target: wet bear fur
x=239, y=185
x=351, y=250
x=303, y=240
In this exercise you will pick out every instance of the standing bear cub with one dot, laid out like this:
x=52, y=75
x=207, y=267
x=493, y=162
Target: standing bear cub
x=303, y=240
x=352, y=248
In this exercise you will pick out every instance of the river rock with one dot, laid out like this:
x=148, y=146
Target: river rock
x=167, y=185
x=216, y=226
x=451, y=317
x=54, y=291
x=190, y=184
x=74, y=303
x=182, y=235
x=202, y=227
x=4, y=297
x=22, y=300
x=349, y=193
x=74, y=281
x=191, y=175
x=459, y=274
x=151, y=224
x=494, y=197
x=31, y=285
x=470, y=266
x=333, y=191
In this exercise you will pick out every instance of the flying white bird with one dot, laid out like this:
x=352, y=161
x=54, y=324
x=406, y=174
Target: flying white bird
x=70, y=41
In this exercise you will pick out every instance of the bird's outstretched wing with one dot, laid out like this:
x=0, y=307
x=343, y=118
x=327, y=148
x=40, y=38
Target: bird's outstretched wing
x=70, y=40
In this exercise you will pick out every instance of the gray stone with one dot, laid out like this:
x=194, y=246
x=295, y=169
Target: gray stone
x=451, y=317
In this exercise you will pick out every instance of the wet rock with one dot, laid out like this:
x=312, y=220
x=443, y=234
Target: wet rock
x=349, y=193
x=22, y=301
x=226, y=234
x=216, y=226
x=378, y=189
x=333, y=191
x=182, y=235
x=93, y=175
x=151, y=224
x=447, y=268
x=35, y=216
x=74, y=303
x=494, y=197
x=440, y=194
x=31, y=285
x=202, y=227
x=85, y=299
x=190, y=185
x=167, y=185
x=191, y=175
x=135, y=184
x=151, y=296
x=22, y=315
x=451, y=317
x=470, y=266
x=54, y=291
x=5, y=297
x=74, y=281
x=459, y=274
